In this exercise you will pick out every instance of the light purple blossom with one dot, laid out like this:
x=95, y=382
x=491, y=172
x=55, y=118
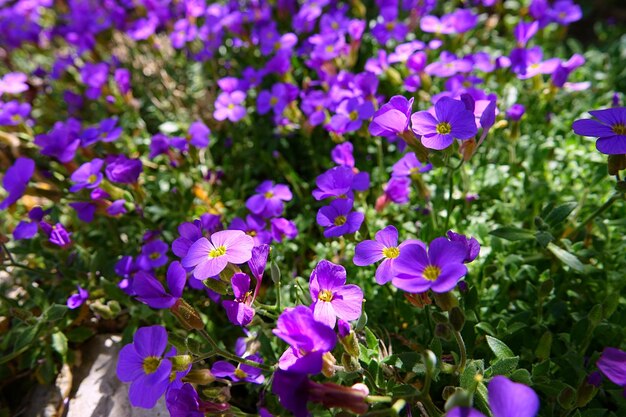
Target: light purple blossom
x=268, y=202
x=209, y=257
x=77, y=300
x=338, y=218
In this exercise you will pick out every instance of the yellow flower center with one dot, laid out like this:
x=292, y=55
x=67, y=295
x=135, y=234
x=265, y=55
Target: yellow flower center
x=391, y=253
x=619, y=129
x=217, y=252
x=325, y=295
x=240, y=374
x=92, y=178
x=329, y=48
x=251, y=233
x=154, y=255
x=340, y=220
x=151, y=364
x=354, y=115
x=268, y=194
x=231, y=106
x=390, y=25
x=431, y=272
x=444, y=128
x=273, y=101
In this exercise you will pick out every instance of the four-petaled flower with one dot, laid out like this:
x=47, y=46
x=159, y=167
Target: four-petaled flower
x=450, y=121
x=338, y=219
x=209, y=258
x=610, y=129
x=331, y=296
x=268, y=202
x=239, y=311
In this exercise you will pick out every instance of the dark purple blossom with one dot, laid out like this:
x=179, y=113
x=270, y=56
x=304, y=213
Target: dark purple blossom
x=239, y=310
x=471, y=245
x=85, y=210
x=451, y=120
x=16, y=180
x=268, y=202
x=62, y=141
x=242, y=372
x=281, y=228
x=25, y=230
x=612, y=364
x=77, y=300
x=13, y=113
x=342, y=154
x=185, y=402
x=437, y=268
x=392, y=118
x=150, y=291
x=610, y=129
x=88, y=175
x=516, y=111
x=122, y=169
x=57, y=234
x=340, y=181
x=199, y=134
x=338, y=218
x=153, y=255
x=308, y=339
x=350, y=115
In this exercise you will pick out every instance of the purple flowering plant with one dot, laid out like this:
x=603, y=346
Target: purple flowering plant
x=301, y=180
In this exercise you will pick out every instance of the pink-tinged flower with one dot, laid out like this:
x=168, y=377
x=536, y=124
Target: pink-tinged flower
x=610, y=129
x=209, y=258
x=612, y=364
x=438, y=267
x=331, y=296
x=230, y=106
x=385, y=247
x=242, y=372
x=239, y=310
x=450, y=121
x=283, y=228
x=13, y=83
x=268, y=202
x=409, y=165
x=309, y=340
x=342, y=154
x=77, y=300
x=16, y=180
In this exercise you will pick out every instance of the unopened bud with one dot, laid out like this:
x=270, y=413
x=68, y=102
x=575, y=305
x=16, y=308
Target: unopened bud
x=199, y=376
x=430, y=360
x=187, y=315
x=447, y=392
x=439, y=317
x=115, y=307
x=446, y=301
x=218, y=286
x=460, y=398
x=567, y=398
x=180, y=362
x=328, y=365
x=350, y=344
x=442, y=331
x=350, y=363
x=218, y=394
x=585, y=393
x=616, y=163
x=457, y=318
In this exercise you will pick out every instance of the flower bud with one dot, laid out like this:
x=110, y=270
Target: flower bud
x=199, y=376
x=567, y=398
x=218, y=286
x=585, y=393
x=350, y=363
x=328, y=365
x=446, y=300
x=442, y=331
x=616, y=163
x=187, y=315
x=350, y=344
x=457, y=318
x=180, y=362
x=460, y=398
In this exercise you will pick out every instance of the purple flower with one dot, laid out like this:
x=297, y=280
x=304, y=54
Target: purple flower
x=451, y=121
x=350, y=115
x=150, y=291
x=408, y=165
x=16, y=180
x=122, y=79
x=610, y=129
x=153, y=255
x=62, y=141
x=209, y=258
x=471, y=245
x=239, y=311
x=338, y=219
x=258, y=261
x=392, y=118
x=242, y=372
x=122, y=169
x=13, y=113
x=281, y=95
x=253, y=226
x=565, y=12
x=25, y=230
x=506, y=399
x=189, y=233
x=385, y=247
x=437, y=268
x=185, y=402
x=117, y=207
x=398, y=190
x=268, y=202
x=516, y=111
x=612, y=364
x=308, y=339
x=84, y=210
x=229, y=106
x=331, y=296
x=94, y=76
x=77, y=300
x=88, y=175
x=56, y=234
x=342, y=154
x=142, y=364
x=340, y=182
x=199, y=134
x=282, y=228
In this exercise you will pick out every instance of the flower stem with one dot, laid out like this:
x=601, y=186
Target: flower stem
x=462, y=352
x=604, y=207
x=216, y=350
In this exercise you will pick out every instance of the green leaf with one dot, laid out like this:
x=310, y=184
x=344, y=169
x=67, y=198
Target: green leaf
x=275, y=272
x=407, y=361
x=560, y=213
x=59, y=344
x=502, y=366
x=55, y=312
x=486, y=328
x=79, y=334
x=370, y=339
x=512, y=233
x=543, y=238
x=473, y=368
x=499, y=348
x=521, y=375
x=566, y=257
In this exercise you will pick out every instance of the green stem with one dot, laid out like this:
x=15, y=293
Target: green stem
x=221, y=352
x=449, y=208
x=462, y=352
x=604, y=207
